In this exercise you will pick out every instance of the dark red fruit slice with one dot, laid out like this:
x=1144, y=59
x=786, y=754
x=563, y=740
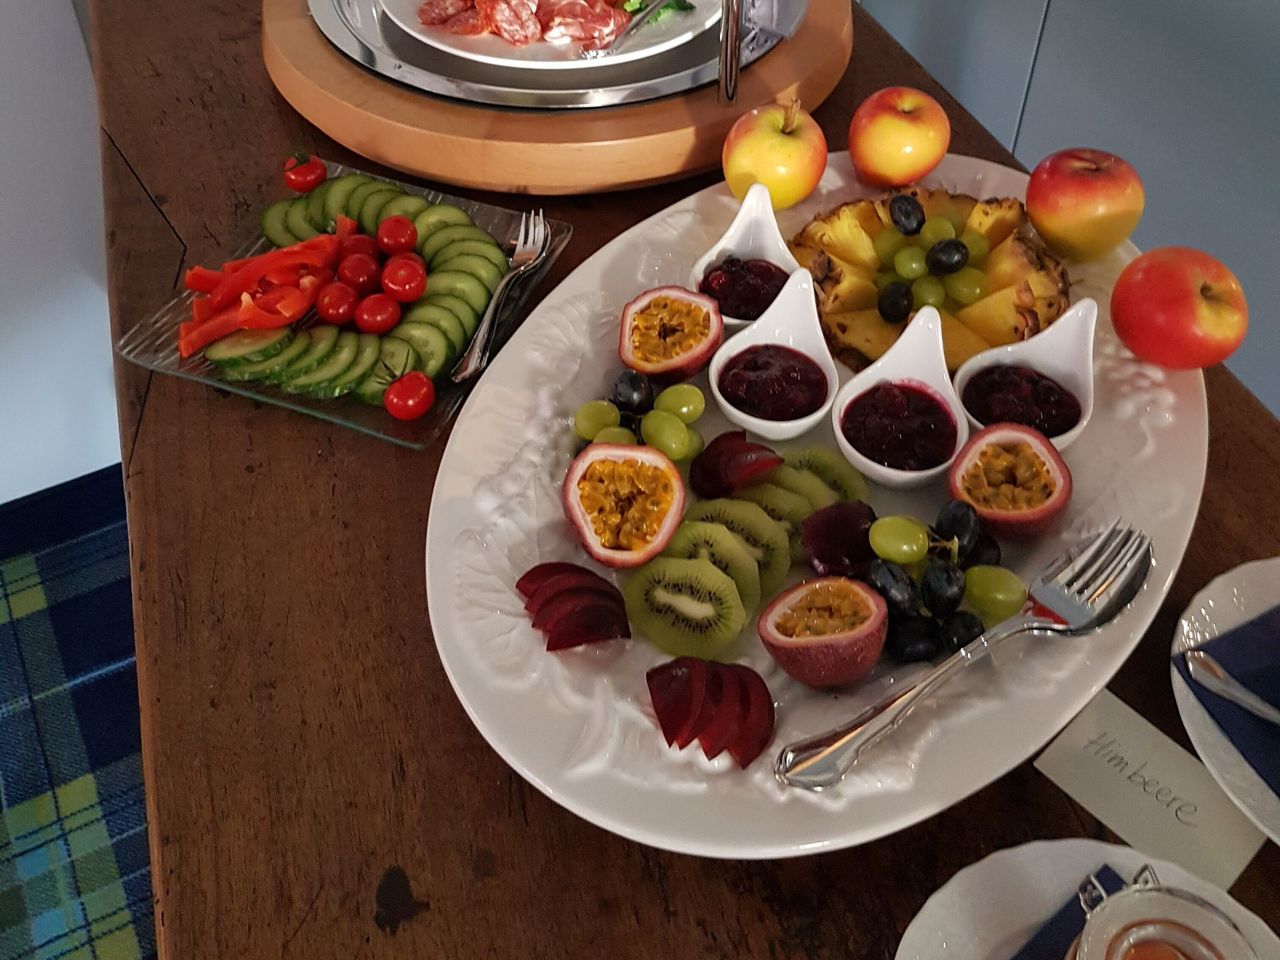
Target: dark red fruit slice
x=671, y=690
x=729, y=463
x=723, y=726
x=567, y=601
x=699, y=677
x=756, y=728
x=590, y=623
x=534, y=577
x=707, y=709
x=561, y=582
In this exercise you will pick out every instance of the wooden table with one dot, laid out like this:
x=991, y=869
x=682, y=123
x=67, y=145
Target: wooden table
x=299, y=735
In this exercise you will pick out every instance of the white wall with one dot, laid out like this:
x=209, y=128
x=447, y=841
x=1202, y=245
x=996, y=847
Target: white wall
x=57, y=402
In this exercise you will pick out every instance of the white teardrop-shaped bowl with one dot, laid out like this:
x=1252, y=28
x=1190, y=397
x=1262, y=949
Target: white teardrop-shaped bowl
x=791, y=321
x=753, y=235
x=916, y=359
x=1063, y=352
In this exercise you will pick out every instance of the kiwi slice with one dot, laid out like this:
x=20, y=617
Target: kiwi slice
x=724, y=548
x=831, y=468
x=806, y=484
x=766, y=539
x=789, y=509
x=687, y=608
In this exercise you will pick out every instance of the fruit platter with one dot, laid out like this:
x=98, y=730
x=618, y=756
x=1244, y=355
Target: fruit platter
x=640, y=603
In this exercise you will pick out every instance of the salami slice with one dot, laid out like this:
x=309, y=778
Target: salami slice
x=592, y=23
x=510, y=19
x=467, y=23
x=433, y=13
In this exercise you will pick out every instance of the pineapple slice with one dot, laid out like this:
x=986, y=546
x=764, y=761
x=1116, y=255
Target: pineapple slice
x=1011, y=260
x=841, y=234
x=841, y=286
x=996, y=219
x=959, y=343
x=1019, y=311
x=955, y=207
x=868, y=334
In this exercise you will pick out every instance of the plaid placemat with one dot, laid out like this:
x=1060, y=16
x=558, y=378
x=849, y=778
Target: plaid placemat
x=75, y=879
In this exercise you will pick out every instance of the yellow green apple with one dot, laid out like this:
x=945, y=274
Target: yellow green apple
x=1179, y=308
x=1084, y=202
x=897, y=135
x=779, y=145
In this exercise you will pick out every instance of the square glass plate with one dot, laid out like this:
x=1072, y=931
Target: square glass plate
x=153, y=343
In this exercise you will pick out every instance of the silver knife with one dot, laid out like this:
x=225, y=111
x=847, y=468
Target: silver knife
x=1211, y=675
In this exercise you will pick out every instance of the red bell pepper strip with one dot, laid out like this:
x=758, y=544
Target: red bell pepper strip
x=309, y=253
x=202, y=279
x=192, y=337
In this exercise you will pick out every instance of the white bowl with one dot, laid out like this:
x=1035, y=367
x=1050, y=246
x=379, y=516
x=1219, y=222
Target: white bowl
x=1063, y=352
x=916, y=360
x=753, y=235
x=791, y=321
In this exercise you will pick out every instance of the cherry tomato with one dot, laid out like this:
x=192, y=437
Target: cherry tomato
x=410, y=396
x=403, y=280
x=397, y=235
x=303, y=173
x=359, y=243
x=336, y=303
x=359, y=271
x=412, y=257
x=377, y=313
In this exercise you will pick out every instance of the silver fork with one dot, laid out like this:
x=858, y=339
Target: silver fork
x=531, y=247
x=1083, y=588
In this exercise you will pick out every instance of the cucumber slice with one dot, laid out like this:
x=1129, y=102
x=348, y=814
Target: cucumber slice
x=439, y=216
x=478, y=267
x=439, y=239
x=273, y=227
x=395, y=359
x=367, y=352
x=340, y=190
x=335, y=364
x=467, y=315
x=362, y=191
x=323, y=339
x=295, y=218
x=248, y=346
x=373, y=205
x=406, y=206
x=315, y=205
x=481, y=248
x=438, y=316
x=434, y=349
x=459, y=284
x=264, y=368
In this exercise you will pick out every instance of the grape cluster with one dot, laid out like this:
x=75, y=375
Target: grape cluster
x=925, y=262
x=633, y=413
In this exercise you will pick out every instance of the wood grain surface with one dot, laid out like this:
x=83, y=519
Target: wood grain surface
x=300, y=738
x=523, y=151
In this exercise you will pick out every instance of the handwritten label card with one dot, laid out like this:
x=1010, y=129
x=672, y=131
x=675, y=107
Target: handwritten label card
x=1156, y=796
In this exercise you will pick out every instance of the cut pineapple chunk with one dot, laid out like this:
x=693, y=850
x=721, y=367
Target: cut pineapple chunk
x=1001, y=317
x=959, y=343
x=996, y=219
x=1011, y=260
x=867, y=333
x=841, y=234
x=841, y=286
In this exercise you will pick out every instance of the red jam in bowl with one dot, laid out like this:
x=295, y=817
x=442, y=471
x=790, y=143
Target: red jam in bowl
x=1009, y=394
x=773, y=383
x=900, y=425
x=743, y=288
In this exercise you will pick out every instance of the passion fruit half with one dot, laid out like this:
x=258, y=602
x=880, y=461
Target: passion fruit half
x=670, y=333
x=827, y=632
x=623, y=501
x=1014, y=478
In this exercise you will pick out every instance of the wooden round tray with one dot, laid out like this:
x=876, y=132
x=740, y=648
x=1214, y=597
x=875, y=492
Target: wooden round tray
x=514, y=151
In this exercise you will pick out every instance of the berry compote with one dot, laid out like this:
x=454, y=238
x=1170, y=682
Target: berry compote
x=900, y=425
x=1010, y=394
x=743, y=288
x=773, y=383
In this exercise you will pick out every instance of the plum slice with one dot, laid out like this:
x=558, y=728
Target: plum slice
x=730, y=462
x=566, y=602
x=676, y=689
x=835, y=539
x=588, y=623
x=536, y=576
x=756, y=728
x=568, y=582
x=722, y=727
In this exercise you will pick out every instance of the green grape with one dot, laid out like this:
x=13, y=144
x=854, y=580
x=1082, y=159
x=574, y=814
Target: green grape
x=909, y=263
x=993, y=593
x=928, y=292
x=935, y=230
x=684, y=400
x=888, y=242
x=956, y=221
x=696, y=444
x=966, y=285
x=978, y=247
x=899, y=539
x=666, y=432
x=593, y=416
x=884, y=279
x=616, y=435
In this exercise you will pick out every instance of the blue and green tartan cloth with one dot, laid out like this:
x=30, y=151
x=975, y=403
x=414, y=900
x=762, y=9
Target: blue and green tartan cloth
x=75, y=878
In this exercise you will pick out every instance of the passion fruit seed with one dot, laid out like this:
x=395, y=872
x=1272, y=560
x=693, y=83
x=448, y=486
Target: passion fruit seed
x=666, y=328
x=626, y=501
x=1008, y=476
x=823, y=610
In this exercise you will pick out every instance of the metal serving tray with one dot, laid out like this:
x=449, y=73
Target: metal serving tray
x=362, y=31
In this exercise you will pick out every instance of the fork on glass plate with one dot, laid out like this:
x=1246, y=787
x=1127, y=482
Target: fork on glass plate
x=1078, y=592
x=532, y=244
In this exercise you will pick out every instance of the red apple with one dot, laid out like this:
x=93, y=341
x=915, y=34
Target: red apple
x=1179, y=308
x=778, y=145
x=897, y=135
x=1084, y=202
